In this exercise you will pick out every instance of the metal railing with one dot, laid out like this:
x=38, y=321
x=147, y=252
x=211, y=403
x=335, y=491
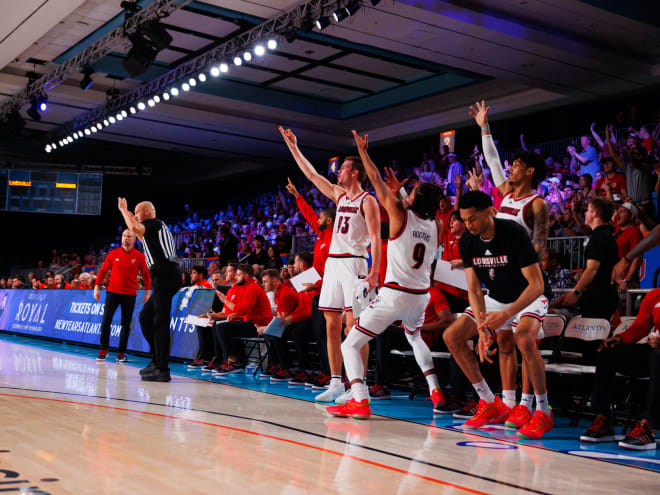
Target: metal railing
x=571, y=250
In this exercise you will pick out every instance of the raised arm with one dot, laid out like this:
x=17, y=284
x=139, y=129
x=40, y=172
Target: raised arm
x=372, y=216
x=612, y=150
x=131, y=223
x=480, y=113
x=390, y=202
x=596, y=136
x=328, y=189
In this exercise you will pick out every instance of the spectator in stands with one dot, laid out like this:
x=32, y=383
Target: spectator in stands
x=213, y=268
x=36, y=283
x=274, y=259
x=19, y=282
x=60, y=282
x=250, y=310
x=557, y=275
x=185, y=279
x=567, y=226
x=283, y=239
x=455, y=169
x=624, y=354
x=585, y=192
x=555, y=196
x=228, y=246
x=3, y=283
x=258, y=256
x=612, y=184
x=198, y=277
x=426, y=173
x=628, y=235
x=594, y=290
x=587, y=158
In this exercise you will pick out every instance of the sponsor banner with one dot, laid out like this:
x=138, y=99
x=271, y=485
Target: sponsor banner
x=75, y=316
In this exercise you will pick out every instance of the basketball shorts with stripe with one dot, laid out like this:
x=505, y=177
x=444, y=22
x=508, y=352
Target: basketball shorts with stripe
x=537, y=310
x=391, y=305
x=339, y=279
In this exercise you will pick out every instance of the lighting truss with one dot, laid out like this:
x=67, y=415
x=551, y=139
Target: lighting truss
x=95, y=51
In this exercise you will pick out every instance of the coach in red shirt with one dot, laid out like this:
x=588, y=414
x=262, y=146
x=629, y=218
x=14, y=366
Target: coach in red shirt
x=124, y=264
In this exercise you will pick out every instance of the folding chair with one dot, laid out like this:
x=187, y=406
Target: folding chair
x=553, y=327
x=252, y=344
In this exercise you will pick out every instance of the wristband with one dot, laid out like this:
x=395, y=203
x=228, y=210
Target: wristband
x=577, y=292
x=485, y=129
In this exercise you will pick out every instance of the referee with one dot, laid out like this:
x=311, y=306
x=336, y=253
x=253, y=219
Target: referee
x=162, y=262
x=124, y=264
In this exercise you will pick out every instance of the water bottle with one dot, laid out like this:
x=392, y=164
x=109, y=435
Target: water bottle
x=250, y=368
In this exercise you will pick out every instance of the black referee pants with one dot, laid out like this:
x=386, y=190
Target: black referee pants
x=112, y=301
x=155, y=315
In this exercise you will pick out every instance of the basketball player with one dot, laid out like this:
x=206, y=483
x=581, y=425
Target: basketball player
x=357, y=223
x=522, y=205
x=414, y=240
x=164, y=268
x=499, y=254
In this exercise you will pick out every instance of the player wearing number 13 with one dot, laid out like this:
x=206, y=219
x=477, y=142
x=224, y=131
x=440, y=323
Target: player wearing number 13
x=414, y=240
x=356, y=225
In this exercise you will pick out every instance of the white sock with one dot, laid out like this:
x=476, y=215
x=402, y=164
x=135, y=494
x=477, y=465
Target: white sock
x=335, y=381
x=359, y=391
x=484, y=391
x=509, y=398
x=542, y=403
x=433, y=382
x=350, y=349
x=527, y=400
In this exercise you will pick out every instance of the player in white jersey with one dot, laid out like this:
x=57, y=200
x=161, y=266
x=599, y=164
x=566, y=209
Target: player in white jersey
x=522, y=205
x=414, y=239
x=357, y=224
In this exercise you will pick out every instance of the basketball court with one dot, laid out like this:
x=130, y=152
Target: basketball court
x=71, y=425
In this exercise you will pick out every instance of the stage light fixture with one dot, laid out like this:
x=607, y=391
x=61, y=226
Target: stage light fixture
x=156, y=99
x=133, y=110
x=290, y=34
x=70, y=139
x=352, y=8
x=106, y=123
x=201, y=77
x=119, y=117
x=340, y=14
x=94, y=129
x=322, y=23
x=80, y=134
x=166, y=96
x=307, y=25
x=140, y=56
x=192, y=82
x=185, y=87
x=238, y=60
x=54, y=146
x=224, y=67
x=124, y=114
x=75, y=135
x=247, y=56
x=174, y=91
x=157, y=34
x=112, y=120
x=88, y=132
x=151, y=102
x=99, y=126
x=60, y=142
x=48, y=149
x=272, y=44
x=259, y=50
x=215, y=72
x=141, y=105
x=39, y=103
x=87, y=80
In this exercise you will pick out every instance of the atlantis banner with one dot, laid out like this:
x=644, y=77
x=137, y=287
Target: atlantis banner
x=74, y=315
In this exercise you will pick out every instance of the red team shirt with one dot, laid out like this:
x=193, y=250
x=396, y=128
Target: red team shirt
x=286, y=299
x=647, y=319
x=124, y=268
x=252, y=304
x=323, y=240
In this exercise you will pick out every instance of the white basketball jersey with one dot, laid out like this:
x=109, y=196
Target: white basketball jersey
x=351, y=236
x=411, y=253
x=514, y=209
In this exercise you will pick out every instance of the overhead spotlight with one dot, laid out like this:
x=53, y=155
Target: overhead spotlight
x=124, y=114
x=352, y=8
x=290, y=34
x=192, y=81
x=151, y=102
x=339, y=14
x=133, y=110
x=94, y=129
x=156, y=99
x=99, y=126
x=201, y=77
x=112, y=120
x=39, y=103
x=130, y=6
x=157, y=34
x=48, y=148
x=75, y=135
x=80, y=134
x=307, y=25
x=215, y=72
x=141, y=105
x=166, y=96
x=247, y=56
x=185, y=87
x=119, y=117
x=238, y=60
x=106, y=123
x=54, y=146
x=224, y=67
x=61, y=143
x=174, y=91
x=322, y=23
x=88, y=132
x=87, y=80
x=140, y=56
x=272, y=44
x=70, y=139
x=259, y=50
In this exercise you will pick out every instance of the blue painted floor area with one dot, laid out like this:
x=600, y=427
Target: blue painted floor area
x=563, y=438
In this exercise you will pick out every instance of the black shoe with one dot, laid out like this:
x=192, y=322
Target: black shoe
x=600, y=431
x=640, y=438
x=157, y=376
x=150, y=367
x=452, y=406
x=468, y=409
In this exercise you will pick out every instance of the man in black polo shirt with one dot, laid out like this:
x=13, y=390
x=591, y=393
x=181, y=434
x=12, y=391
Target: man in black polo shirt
x=594, y=290
x=164, y=269
x=499, y=254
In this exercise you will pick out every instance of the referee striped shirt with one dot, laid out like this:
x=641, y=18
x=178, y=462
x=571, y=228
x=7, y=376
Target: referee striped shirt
x=158, y=243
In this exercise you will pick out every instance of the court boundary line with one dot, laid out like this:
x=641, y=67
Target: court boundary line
x=278, y=425
x=475, y=433
x=261, y=435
